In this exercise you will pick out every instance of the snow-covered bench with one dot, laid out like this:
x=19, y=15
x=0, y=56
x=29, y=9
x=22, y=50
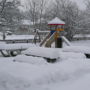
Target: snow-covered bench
x=51, y=54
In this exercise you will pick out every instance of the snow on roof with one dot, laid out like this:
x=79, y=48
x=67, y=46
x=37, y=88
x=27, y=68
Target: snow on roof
x=26, y=22
x=56, y=21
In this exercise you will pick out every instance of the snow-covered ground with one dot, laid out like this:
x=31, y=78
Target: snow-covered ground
x=81, y=43
x=33, y=76
x=71, y=72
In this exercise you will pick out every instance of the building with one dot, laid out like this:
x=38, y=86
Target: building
x=25, y=27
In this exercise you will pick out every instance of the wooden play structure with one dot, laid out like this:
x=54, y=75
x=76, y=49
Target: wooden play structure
x=56, y=26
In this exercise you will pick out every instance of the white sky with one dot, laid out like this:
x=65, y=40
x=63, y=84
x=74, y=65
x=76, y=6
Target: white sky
x=80, y=3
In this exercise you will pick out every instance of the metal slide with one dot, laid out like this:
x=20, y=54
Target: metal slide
x=48, y=40
x=66, y=41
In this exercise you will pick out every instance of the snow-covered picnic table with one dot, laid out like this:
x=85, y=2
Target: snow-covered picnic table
x=17, y=46
x=9, y=49
x=52, y=53
x=48, y=53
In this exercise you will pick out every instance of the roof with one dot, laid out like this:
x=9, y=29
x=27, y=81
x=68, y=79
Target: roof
x=26, y=22
x=56, y=21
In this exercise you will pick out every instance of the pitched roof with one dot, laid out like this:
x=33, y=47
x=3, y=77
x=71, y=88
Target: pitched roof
x=56, y=21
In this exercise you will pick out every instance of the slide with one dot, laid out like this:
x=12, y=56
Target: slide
x=66, y=40
x=44, y=40
x=48, y=40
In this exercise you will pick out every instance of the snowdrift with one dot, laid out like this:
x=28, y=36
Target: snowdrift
x=30, y=60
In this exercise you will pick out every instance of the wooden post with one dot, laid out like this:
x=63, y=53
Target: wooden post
x=58, y=39
x=58, y=42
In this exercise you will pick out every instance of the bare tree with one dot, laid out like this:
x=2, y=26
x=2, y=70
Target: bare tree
x=32, y=10
x=64, y=9
x=84, y=19
x=2, y=4
x=10, y=14
x=42, y=7
x=67, y=11
x=36, y=11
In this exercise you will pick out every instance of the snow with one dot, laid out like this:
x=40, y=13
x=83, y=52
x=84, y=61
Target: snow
x=66, y=41
x=81, y=49
x=26, y=22
x=56, y=21
x=26, y=76
x=71, y=55
x=80, y=84
x=43, y=52
x=81, y=43
x=71, y=72
x=81, y=36
x=16, y=46
x=54, y=53
x=19, y=37
x=82, y=46
x=30, y=59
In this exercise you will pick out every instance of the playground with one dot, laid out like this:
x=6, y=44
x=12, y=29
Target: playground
x=51, y=46
x=52, y=63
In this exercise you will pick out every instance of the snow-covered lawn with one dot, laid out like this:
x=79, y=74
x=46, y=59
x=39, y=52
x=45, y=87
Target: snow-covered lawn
x=45, y=76
x=71, y=72
x=81, y=43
